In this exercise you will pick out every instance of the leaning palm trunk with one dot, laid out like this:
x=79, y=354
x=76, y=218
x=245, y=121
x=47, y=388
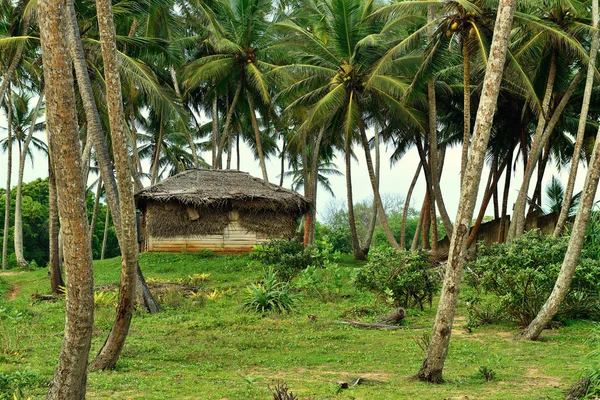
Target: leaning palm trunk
x=98, y=140
x=585, y=105
x=215, y=130
x=56, y=280
x=227, y=125
x=466, y=108
x=70, y=376
x=420, y=223
x=432, y=367
x=364, y=248
x=7, y=194
x=376, y=195
x=518, y=223
x=188, y=134
x=109, y=354
x=157, y=150
x=259, y=150
x=503, y=215
x=314, y=183
x=358, y=254
x=407, y=206
x=21, y=262
x=569, y=265
x=95, y=211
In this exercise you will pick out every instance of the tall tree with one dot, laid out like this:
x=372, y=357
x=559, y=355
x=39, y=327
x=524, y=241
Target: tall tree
x=8, y=177
x=70, y=377
x=432, y=367
x=109, y=354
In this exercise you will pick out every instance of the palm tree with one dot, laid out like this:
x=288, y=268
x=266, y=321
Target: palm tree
x=432, y=367
x=241, y=46
x=342, y=75
x=24, y=125
x=8, y=177
x=69, y=380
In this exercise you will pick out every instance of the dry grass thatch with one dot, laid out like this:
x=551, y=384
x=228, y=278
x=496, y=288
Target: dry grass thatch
x=170, y=220
x=223, y=188
x=274, y=224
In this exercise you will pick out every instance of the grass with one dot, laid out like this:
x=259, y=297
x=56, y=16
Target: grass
x=212, y=349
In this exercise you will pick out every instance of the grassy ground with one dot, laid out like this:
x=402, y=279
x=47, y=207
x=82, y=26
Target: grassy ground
x=208, y=348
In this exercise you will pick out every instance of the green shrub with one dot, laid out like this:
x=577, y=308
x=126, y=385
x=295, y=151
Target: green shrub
x=521, y=274
x=12, y=385
x=288, y=257
x=405, y=277
x=326, y=282
x=269, y=295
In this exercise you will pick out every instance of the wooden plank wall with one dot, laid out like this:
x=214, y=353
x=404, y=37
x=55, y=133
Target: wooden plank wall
x=235, y=239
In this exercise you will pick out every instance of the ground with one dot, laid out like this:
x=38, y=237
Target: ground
x=204, y=346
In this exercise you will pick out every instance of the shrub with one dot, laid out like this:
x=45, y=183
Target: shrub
x=288, y=257
x=521, y=274
x=269, y=295
x=12, y=384
x=409, y=276
x=323, y=282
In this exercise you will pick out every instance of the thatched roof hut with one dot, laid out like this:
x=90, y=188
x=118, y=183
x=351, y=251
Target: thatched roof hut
x=219, y=210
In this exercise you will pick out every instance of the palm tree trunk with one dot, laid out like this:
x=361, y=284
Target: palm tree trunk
x=358, y=254
x=312, y=188
x=22, y=263
x=237, y=151
x=407, y=206
x=501, y=232
x=569, y=265
x=157, y=149
x=259, y=150
x=86, y=158
x=425, y=243
x=432, y=367
x=229, y=148
x=420, y=223
x=215, y=131
x=95, y=212
x=518, y=223
x=282, y=172
x=466, y=107
x=105, y=237
x=56, y=280
x=373, y=221
x=377, y=197
x=541, y=169
x=110, y=351
x=585, y=105
x=495, y=191
x=70, y=376
x=230, y=111
x=8, y=176
x=486, y=201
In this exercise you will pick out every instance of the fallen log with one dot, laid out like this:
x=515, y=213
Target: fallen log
x=43, y=297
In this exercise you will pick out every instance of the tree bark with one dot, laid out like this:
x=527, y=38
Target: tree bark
x=70, y=377
x=157, y=149
x=377, y=197
x=466, y=107
x=22, y=263
x=8, y=178
x=56, y=279
x=585, y=105
x=431, y=369
x=407, y=206
x=420, y=223
x=109, y=354
x=313, y=176
x=569, y=265
x=282, y=172
x=425, y=243
x=215, y=130
x=188, y=134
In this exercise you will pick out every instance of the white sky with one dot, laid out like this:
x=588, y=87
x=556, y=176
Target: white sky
x=394, y=180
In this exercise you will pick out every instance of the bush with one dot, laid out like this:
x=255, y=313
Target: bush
x=521, y=274
x=288, y=257
x=406, y=277
x=12, y=384
x=269, y=295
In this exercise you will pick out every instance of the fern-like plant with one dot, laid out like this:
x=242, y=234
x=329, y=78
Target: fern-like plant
x=269, y=295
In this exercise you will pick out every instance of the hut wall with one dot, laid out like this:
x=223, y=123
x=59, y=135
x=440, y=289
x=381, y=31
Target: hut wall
x=234, y=238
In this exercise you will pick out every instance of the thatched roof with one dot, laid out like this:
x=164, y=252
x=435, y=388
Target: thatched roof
x=221, y=188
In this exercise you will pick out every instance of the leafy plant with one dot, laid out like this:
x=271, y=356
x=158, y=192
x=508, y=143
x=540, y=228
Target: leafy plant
x=521, y=275
x=324, y=282
x=9, y=333
x=404, y=276
x=12, y=384
x=106, y=298
x=288, y=257
x=487, y=373
x=281, y=392
x=269, y=295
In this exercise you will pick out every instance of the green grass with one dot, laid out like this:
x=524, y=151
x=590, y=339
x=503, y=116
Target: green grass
x=213, y=350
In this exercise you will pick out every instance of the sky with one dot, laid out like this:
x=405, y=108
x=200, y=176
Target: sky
x=395, y=180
